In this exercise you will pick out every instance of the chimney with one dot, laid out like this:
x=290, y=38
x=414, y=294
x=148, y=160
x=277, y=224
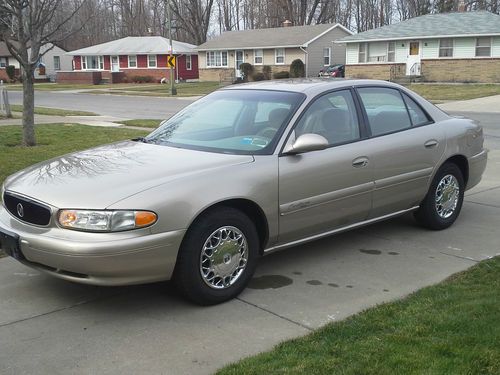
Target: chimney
x=461, y=6
x=287, y=23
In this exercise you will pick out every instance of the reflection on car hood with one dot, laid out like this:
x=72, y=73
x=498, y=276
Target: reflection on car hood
x=98, y=177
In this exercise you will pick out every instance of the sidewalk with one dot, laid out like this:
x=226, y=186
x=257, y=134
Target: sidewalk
x=489, y=104
x=105, y=121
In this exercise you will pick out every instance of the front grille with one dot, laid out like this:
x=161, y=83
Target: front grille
x=27, y=210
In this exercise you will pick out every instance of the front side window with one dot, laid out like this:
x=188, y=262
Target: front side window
x=132, y=61
x=57, y=63
x=483, y=47
x=446, y=47
x=332, y=116
x=386, y=110
x=279, y=54
x=362, y=52
x=230, y=121
x=151, y=61
x=326, y=56
x=188, y=62
x=391, y=51
x=216, y=59
x=258, y=57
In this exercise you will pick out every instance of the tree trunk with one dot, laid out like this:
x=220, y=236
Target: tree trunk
x=28, y=108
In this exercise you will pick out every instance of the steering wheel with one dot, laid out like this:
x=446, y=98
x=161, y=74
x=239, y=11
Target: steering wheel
x=267, y=132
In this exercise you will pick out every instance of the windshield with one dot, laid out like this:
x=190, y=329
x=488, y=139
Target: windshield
x=232, y=121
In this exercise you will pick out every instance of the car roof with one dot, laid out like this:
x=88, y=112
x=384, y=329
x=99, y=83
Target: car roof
x=308, y=86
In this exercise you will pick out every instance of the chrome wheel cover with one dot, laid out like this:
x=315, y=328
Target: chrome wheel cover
x=447, y=194
x=224, y=257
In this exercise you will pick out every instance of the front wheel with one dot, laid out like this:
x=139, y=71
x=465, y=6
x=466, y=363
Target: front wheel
x=218, y=257
x=443, y=202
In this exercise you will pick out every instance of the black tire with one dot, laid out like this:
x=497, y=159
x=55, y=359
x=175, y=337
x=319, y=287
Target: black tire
x=427, y=215
x=187, y=274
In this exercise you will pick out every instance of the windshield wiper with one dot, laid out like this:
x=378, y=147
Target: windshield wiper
x=141, y=139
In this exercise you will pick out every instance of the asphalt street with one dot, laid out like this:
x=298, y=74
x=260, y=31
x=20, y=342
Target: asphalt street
x=130, y=107
x=49, y=326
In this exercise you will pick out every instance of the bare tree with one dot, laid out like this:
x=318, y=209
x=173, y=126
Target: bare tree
x=26, y=26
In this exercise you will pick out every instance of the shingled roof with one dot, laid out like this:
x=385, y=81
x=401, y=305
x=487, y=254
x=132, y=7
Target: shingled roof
x=292, y=36
x=136, y=45
x=433, y=25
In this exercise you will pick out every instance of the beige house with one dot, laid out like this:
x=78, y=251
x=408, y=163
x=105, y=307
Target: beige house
x=445, y=47
x=221, y=57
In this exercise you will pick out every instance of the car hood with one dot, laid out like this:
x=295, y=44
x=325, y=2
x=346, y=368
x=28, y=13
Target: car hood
x=101, y=176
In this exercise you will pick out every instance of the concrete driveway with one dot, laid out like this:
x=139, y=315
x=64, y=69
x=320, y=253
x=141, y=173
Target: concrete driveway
x=51, y=326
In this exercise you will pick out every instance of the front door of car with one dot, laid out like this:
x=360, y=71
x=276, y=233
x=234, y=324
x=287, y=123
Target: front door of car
x=404, y=148
x=331, y=188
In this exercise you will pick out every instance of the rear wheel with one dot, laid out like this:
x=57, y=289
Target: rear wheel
x=218, y=256
x=443, y=202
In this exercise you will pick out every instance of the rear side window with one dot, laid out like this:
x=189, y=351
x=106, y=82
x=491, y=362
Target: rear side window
x=417, y=115
x=386, y=110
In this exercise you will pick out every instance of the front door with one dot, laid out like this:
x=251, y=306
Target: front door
x=115, y=65
x=413, y=59
x=320, y=191
x=238, y=60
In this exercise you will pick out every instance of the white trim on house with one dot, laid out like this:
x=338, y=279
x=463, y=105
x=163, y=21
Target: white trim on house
x=217, y=66
x=156, y=61
x=249, y=48
x=83, y=61
x=416, y=37
x=128, y=62
x=190, y=62
x=327, y=31
x=329, y=56
x=261, y=56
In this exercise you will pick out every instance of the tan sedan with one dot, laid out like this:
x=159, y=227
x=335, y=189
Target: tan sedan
x=244, y=171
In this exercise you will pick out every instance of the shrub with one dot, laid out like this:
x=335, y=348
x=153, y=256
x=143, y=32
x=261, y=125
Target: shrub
x=11, y=72
x=281, y=75
x=297, y=69
x=258, y=77
x=141, y=79
x=266, y=70
x=246, y=70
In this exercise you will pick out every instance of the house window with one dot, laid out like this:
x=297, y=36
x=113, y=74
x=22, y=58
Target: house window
x=391, y=51
x=216, y=59
x=3, y=62
x=327, y=52
x=188, y=62
x=151, y=61
x=377, y=52
x=446, y=47
x=92, y=63
x=258, y=57
x=362, y=52
x=279, y=56
x=132, y=61
x=57, y=63
x=483, y=47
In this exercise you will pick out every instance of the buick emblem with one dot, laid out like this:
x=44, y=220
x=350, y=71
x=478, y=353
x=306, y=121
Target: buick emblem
x=20, y=210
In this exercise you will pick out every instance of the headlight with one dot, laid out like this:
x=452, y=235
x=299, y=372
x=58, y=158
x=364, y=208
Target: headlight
x=105, y=221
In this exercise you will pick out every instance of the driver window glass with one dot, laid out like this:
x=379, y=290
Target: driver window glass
x=332, y=116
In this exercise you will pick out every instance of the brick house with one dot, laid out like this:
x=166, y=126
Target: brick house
x=277, y=47
x=125, y=59
x=445, y=47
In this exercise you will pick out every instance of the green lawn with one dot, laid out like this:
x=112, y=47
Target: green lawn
x=63, y=86
x=183, y=89
x=143, y=123
x=53, y=140
x=466, y=91
x=449, y=328
x=52, y=111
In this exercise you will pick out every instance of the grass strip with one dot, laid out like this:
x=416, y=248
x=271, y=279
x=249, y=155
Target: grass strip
x=449, y=328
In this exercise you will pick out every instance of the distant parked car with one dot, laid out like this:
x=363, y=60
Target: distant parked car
x=335, y=71
x=240, y=173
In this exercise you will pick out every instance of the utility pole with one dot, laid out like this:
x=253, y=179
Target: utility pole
x=173, y=90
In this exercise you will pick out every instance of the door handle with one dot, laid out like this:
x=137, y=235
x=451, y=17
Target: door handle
x=360, y=162
x=430, y=144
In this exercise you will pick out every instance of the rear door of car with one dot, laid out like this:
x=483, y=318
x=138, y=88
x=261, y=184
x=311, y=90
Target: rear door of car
x=323, y=190
x=405, y=147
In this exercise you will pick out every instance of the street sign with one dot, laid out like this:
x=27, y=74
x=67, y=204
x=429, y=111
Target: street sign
x=170, y=61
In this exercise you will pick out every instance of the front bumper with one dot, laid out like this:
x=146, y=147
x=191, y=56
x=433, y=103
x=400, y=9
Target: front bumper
x=124, y=258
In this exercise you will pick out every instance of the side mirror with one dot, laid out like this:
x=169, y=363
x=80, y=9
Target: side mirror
x=305, y=143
